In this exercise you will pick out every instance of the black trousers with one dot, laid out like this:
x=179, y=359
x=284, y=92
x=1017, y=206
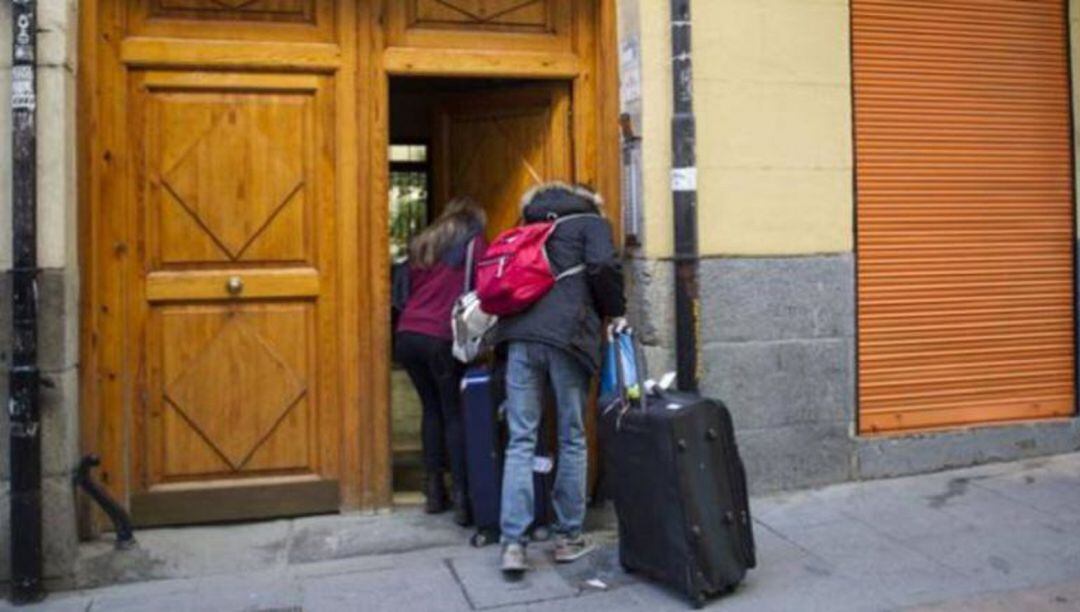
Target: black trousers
x=437, y=378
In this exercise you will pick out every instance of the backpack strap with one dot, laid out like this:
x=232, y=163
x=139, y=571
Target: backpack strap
x=578, y=269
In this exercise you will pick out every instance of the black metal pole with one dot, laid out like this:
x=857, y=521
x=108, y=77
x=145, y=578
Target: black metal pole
x=24, y=381
x=684, y=196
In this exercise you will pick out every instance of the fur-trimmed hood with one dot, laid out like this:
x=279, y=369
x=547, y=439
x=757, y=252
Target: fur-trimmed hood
x=557, y=199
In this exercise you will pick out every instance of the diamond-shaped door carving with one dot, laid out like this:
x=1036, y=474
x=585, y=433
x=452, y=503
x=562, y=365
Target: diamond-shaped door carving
x=284, y=8
x=240, y=173
x=235, y=391
x=492, y=12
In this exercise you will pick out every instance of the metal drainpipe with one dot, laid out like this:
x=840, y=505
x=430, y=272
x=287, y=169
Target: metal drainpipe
x=24, y=377
x=684, y=196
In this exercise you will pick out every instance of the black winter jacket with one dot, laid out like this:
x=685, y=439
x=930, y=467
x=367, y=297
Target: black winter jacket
x=570, y=316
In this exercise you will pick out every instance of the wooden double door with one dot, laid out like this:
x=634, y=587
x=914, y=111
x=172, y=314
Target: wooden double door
x=234, y=336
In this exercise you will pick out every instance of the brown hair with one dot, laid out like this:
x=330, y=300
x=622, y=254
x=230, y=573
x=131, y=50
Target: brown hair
x=459, y=217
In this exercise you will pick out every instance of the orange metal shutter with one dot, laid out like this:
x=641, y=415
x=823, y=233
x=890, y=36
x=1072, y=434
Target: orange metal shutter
x=965, y=212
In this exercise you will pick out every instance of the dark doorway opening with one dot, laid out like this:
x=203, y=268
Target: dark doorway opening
x=490, y=139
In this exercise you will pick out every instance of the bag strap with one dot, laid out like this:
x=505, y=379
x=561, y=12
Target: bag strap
x=469, y=265
x=559, y=220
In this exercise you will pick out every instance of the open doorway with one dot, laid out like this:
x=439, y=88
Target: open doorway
x=488, y=139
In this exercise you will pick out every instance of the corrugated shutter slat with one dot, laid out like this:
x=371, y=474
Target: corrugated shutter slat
x=965, y=212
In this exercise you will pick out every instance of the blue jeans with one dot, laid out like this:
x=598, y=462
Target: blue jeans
x=531, y=365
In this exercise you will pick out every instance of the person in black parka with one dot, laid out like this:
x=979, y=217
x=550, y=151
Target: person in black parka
x=557, y=340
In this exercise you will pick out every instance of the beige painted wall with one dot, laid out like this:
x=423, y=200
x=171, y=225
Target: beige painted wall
x=773, y=103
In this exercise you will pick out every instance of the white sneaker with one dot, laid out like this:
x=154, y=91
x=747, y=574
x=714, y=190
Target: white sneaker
x=568, y=550
x=513, y=559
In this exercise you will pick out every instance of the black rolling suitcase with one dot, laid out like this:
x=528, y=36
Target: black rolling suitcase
x=680, y=493
x=485, y=439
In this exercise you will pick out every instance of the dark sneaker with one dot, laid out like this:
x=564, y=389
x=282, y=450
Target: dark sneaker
x=569, y=549
x=513, y=559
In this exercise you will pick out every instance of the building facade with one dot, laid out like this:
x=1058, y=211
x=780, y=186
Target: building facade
x=886, y=213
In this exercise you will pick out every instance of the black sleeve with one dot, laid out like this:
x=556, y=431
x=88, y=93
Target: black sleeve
x=603, y=269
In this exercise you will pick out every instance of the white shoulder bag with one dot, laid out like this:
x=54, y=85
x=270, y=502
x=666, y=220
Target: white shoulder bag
x=471, y=325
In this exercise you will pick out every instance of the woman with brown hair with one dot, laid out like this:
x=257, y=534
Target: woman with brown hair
x=437, y=261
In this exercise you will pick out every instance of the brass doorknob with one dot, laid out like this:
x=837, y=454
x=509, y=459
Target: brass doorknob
x=235, y=285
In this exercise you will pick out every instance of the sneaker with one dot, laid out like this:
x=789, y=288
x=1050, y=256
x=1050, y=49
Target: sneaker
x=513, y=558
x=569, y=549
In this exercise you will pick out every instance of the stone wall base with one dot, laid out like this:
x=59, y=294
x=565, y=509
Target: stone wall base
x=777, y=341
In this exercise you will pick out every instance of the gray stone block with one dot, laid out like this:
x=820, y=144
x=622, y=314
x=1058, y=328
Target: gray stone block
x=795, y=456
x=59, y=424
x=777, y=298
x=183, y=552
x=60, y=541
x=650, y=301
x=912, y=454
x=58, y=526
x=58, y=321
x=322, y=538
x=772, y=384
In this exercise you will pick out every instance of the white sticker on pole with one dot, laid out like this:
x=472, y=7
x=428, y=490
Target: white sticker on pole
x=22, y=88
x=684, y=179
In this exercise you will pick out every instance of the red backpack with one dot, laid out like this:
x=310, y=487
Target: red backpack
x=515, y=272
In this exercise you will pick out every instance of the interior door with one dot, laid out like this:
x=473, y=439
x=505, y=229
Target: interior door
x=494, y=145
x=236, y=413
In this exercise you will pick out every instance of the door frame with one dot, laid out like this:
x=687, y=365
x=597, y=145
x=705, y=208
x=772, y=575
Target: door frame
x=105, y=390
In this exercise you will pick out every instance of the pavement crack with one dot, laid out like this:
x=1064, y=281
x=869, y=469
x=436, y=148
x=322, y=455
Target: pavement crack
x=461, y=585
x=785, y=538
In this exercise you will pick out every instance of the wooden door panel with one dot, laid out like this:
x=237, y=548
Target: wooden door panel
x=232, y=20
x=236, y=390
x=230, y=176
x=242, y=9
x=482, y=25
x=518, y=14
x=237, y=297
x=496, y=146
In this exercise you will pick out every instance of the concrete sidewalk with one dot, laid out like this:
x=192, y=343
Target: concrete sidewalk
x=998, y=537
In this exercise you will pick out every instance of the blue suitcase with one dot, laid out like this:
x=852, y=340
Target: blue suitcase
x=485, y=440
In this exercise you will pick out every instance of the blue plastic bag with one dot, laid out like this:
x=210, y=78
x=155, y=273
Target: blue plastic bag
x=620, y=352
